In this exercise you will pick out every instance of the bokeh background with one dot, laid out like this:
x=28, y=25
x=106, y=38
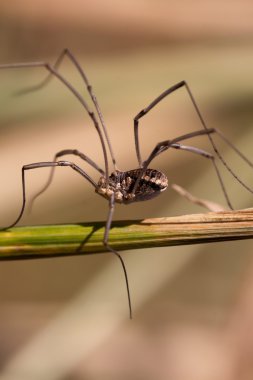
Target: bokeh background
x=67, y=318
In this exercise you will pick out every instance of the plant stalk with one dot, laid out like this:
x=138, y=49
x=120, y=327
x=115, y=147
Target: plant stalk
x=87, y=238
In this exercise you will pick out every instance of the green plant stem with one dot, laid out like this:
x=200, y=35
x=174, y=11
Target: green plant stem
x=87, y=238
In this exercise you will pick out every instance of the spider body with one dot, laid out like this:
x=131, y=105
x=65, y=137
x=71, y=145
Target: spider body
x=121, y=184
x=140, y=184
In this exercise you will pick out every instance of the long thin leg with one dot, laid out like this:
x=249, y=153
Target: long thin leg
x=164, y=145
x=211, y=157
x=105, y=241
x=83, y=156
x=60, y=154
x=145, y=111
x=54, y=72
x=43, y=165
x=207, y=204
x=44, y=82
x=161, y=97
x=220, y=134
x=69, y=54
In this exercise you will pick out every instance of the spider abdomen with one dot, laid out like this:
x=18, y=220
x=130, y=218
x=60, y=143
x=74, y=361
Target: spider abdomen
x=122, y=184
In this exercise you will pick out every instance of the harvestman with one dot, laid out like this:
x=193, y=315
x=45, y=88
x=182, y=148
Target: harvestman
x=135, y=185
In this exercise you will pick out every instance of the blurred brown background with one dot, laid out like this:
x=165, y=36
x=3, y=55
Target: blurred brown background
x=67, y=318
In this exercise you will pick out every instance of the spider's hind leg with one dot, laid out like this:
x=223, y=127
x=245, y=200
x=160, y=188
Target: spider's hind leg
x=146, y=110
x=211, y=157
x=177, y=86
x=175, y=143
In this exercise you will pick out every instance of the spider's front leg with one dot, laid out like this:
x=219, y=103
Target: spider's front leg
x=61, y=153
x=54, y=69
x=43, y=165
x=106, y=244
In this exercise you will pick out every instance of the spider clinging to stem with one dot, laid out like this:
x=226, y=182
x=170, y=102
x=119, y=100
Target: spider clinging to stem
x=140, y=184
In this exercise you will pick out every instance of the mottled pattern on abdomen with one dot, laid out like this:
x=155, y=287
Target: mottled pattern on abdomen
x=152, y=183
